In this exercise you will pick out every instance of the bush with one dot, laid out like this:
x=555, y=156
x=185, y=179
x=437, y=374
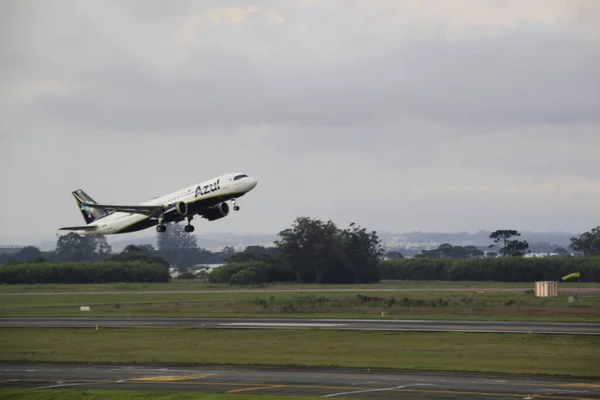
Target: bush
x=502, y=269
x=252, y=272
x=84, y=272
x=250, y=276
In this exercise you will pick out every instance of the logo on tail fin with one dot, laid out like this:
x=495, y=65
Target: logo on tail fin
x=90, y=214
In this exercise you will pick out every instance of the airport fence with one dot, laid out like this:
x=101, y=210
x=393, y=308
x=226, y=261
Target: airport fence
x=84, y=272
x=502, y=269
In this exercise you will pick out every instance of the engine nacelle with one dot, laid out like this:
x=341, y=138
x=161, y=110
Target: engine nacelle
x=216, y=212
x=182, y=208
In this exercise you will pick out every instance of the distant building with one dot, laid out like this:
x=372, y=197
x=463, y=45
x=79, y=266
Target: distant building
x=10, y=249
x=196, y=269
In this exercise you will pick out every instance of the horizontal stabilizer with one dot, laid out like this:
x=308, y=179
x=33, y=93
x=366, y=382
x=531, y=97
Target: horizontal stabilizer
x=147, y=210
x=79, y=228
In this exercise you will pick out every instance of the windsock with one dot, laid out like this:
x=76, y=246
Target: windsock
x=573, y=275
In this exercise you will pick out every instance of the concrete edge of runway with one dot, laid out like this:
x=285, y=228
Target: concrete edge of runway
x=301, y=368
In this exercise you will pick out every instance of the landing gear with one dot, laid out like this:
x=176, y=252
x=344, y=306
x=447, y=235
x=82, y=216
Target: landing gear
x=160, y=227
x=235, y=207
x=188, y=227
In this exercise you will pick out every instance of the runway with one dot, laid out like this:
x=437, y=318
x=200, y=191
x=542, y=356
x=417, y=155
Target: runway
x=538, y=327
x=325, y=383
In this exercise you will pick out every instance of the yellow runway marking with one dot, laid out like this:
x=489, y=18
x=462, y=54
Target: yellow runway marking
x=170, y=378
x=580, y=385
x=256, y=388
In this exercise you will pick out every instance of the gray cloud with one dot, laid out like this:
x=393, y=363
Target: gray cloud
x=391, y=115
x=529, y=77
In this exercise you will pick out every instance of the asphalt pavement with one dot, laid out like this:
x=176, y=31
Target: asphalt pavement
x=287, y=381
x=538, y=327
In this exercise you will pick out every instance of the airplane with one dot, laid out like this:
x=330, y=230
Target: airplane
x=207, y=199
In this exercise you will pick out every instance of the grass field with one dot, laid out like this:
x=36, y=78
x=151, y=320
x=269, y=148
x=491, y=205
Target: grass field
x=514, y=353
x=180, y=285
x=72, y=394
x=434, y=304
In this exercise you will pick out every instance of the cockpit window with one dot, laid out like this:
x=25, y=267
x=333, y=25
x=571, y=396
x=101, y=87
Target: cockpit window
x=239, y=177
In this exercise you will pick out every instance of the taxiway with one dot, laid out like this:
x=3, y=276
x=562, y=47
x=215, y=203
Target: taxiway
x=537, y=327
x=309, y=382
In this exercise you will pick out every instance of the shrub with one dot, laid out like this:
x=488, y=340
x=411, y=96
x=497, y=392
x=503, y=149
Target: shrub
x=84, y=272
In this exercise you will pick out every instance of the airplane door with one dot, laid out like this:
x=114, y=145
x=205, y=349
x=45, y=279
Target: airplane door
x=225, y=183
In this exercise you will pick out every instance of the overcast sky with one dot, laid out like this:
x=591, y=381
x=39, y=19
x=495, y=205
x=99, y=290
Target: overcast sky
x=398, y=115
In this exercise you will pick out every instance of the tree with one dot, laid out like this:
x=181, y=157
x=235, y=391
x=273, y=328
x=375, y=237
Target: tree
x=255, y=253
x=309, y=247
x=510, y=247
x=446, y=250
x=73, y=247
x=178, y=246
x=227, y=252
x=141, y=253
x=394, y=255
x=132, y=248
x=362, y=252
x=28, y=254
x=317, y=251
x=588, y=243
x=103, y=249
x=560, y=251
x=472, y=251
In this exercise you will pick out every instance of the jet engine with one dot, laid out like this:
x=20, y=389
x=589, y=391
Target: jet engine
x=219, y=211
x=182, y=208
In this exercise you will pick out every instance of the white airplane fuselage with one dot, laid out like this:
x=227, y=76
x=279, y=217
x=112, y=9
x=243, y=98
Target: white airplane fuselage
x=207, y=199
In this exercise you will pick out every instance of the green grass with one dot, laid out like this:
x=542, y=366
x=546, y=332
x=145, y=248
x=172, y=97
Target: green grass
x=71, y=394
x=180, y=285
x=489, y=305
x=507, y=353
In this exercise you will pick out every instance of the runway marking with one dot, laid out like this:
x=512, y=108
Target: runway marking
x=253, y=384
x=169, y=378
x=65, y=385
x=580, y=385
x=364, y=391
x=291, y=324
x=256, y=388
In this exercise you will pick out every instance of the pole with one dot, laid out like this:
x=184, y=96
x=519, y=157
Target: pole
x=578, y=282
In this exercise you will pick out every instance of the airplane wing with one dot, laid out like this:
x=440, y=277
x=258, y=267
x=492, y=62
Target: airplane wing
x=147, y=210
x=78, y=228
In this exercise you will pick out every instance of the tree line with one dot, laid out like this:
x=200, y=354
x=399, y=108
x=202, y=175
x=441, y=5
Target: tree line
x=501, y=269
x=316, y=251
x=310, y=251
x=177, y=247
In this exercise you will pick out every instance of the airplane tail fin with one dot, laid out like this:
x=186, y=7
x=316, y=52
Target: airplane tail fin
x=90, y=214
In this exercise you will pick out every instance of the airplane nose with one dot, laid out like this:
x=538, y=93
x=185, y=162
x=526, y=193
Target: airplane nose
x=252, y=182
